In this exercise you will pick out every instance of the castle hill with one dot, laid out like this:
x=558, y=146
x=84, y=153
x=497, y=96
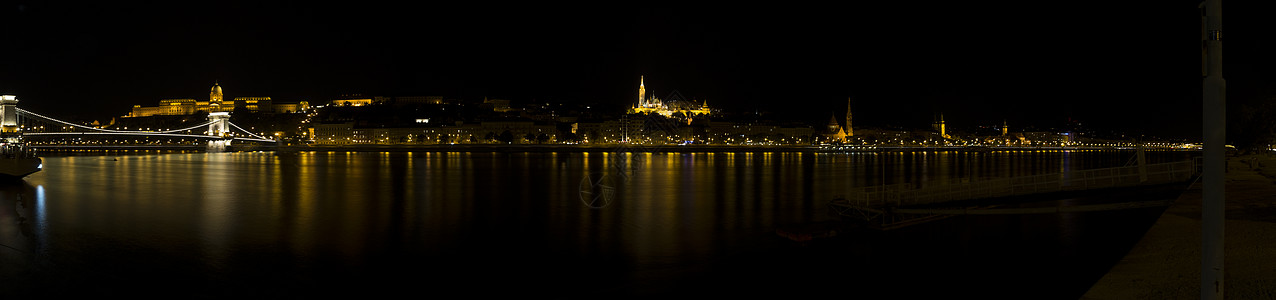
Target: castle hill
x=645, y=123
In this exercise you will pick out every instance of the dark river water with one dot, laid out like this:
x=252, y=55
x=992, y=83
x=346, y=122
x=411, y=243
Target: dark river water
x=546, y=225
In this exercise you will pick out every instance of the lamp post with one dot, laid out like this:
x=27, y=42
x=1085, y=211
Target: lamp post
x=1214, y=116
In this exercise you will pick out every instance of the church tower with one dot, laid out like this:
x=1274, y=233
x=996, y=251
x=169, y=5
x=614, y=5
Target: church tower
x=1004, y=129
x=941, y=127
x=215, y=97
x=849, y=131
x=642, y=92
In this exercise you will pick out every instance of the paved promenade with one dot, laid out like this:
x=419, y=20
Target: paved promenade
x=1166, y=263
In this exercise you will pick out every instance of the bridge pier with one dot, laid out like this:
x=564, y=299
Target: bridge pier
x=219, y=128
x=9, y=114
x=218, y=145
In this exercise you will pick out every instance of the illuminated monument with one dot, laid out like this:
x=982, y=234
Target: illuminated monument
x=216, y=103
x=941, y=127
x=833, y=132
x=9, y=114
x=215, y=98
x=647, y=105
x=849, y=132
x=642, y=94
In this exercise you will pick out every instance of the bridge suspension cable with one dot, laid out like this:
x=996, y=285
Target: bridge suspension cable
x=27, y=112
x=172, y=133
x=256, y=140
x=184, y=129
x=248, y=132
x=113, y=133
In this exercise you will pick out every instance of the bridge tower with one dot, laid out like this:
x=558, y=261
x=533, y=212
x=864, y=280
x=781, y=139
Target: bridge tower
x=219, y=128
x=8, y=114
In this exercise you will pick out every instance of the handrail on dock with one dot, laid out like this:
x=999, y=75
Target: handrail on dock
x=898, y=205
x=898, y=195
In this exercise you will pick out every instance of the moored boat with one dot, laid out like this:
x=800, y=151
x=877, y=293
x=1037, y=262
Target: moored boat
x=16, y=159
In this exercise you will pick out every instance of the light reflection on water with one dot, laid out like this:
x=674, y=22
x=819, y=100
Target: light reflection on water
x=261, y=224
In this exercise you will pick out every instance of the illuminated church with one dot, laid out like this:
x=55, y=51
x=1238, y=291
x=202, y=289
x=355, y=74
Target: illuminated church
x=834, y=132
x=647, y=105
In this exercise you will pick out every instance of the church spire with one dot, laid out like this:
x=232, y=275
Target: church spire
x=941, y=127
x=849, y=131
x=642, y=92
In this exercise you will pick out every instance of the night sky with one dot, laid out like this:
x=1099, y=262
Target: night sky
x=1118, y=65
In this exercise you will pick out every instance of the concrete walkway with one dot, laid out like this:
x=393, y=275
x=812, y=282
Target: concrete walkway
x=1166, y=262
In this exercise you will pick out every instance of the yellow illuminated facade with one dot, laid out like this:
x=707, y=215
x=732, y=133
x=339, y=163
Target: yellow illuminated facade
x=351, y=102
x=215, y=98
x=9, y=114
x=833, y=132
x=648, y=105
x=290, y=107
x=216, y=103
x=253, y=104
x=941, y=127
x=642, y=91
x=497, y=105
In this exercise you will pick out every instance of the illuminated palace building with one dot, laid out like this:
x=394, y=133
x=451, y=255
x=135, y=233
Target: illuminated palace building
x=672, y=108
x=216, y=103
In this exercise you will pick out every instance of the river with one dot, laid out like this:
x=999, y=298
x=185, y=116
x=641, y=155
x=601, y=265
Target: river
x=557, y=225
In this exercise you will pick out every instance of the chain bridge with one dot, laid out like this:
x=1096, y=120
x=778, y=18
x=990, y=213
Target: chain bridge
x=215, y=134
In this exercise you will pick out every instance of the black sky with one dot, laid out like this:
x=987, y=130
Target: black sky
x=1127, y=65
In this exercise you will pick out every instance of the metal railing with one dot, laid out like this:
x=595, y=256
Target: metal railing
x=900, y=195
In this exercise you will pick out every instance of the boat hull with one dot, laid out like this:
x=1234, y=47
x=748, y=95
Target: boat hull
x=20, y=167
